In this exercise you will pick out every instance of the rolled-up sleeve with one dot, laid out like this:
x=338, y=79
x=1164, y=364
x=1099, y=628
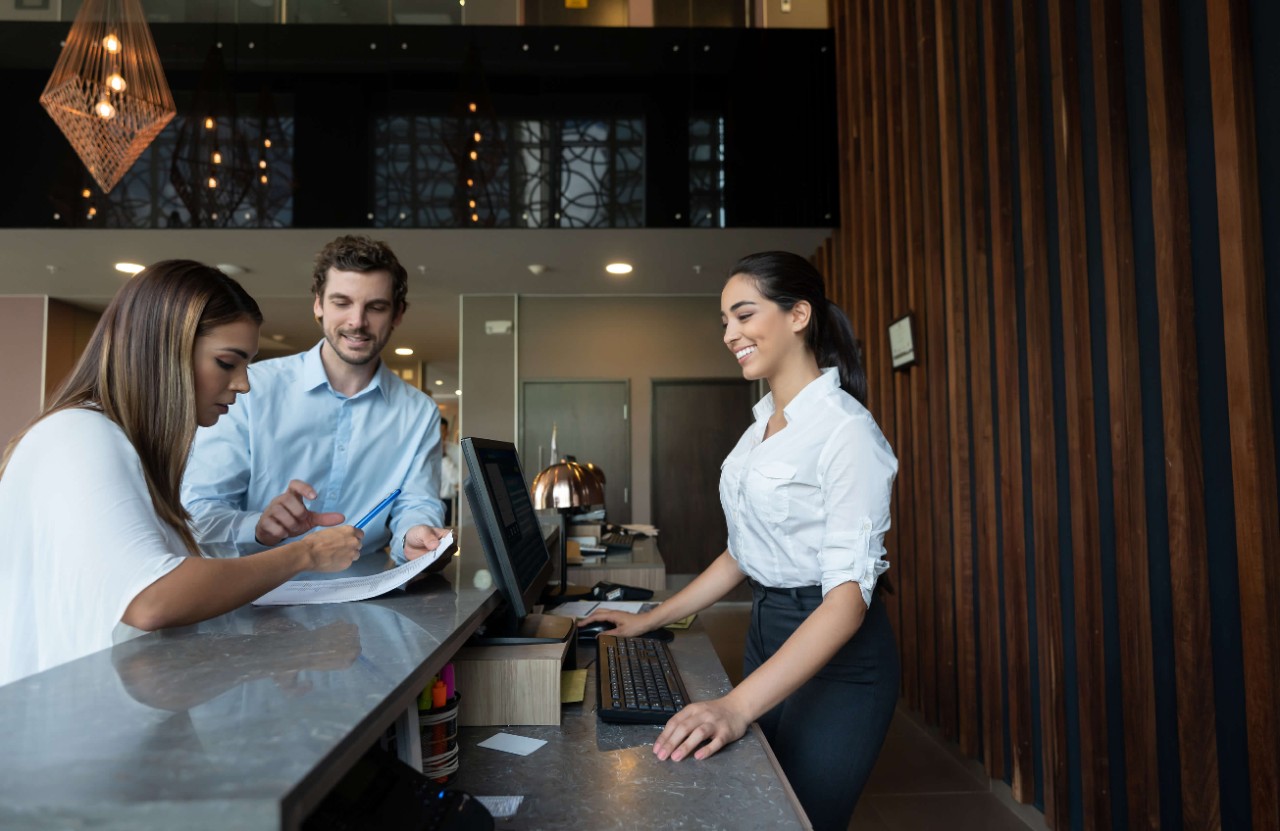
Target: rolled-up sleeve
x=856, y=470
x=419, y=502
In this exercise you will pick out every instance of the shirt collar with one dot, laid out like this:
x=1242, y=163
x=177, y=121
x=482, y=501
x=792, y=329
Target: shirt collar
x=314, y=375
x=804, y=400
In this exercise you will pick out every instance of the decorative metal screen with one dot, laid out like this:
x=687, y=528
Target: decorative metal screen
x=543, y=173
x=706, y=172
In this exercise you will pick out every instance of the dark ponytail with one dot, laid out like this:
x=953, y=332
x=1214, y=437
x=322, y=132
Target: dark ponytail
x=786, y=279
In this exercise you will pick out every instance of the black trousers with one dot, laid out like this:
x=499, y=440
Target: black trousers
x=828, y=733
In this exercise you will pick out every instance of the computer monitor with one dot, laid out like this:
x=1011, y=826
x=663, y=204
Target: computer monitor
x=513, y=544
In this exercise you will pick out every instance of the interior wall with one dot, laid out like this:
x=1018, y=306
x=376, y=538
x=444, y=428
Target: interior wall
x=1070, y=196
x=22, y=325
x=633, y=338
x=68, y=331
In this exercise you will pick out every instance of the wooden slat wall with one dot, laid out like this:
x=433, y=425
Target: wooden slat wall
x=1016, y=174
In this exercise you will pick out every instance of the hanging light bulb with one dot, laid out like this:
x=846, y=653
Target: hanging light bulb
x=213, y=183
x=266, y=142
x=217, y=157
x=477, y=138
x=474, y=155
x=87, y=82
x=263, y=179
x=471, y=204
x=262, y=163
x=471, y=182
x=85, y=193
x=92, y=212
x=208, y=122
x=472, y=106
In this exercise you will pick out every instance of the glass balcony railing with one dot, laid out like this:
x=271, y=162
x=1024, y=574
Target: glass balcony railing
x=607, y=13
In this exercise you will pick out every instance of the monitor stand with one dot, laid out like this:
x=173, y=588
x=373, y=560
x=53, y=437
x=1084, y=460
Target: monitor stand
x=534, y=628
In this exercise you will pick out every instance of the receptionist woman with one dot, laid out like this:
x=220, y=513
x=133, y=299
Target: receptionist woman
x=806, y=498
x=97, y=542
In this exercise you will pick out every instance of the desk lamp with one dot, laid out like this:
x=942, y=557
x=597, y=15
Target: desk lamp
x=566, y=486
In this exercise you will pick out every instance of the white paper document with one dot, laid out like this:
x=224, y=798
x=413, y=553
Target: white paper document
x=344, y=589
x=582, y=608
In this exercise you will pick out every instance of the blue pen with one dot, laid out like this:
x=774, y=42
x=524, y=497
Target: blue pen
x=384, y=503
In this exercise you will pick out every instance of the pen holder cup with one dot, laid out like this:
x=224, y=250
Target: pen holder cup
x=439, y=727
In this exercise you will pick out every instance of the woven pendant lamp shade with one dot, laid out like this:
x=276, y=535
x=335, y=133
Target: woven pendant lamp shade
x=108, y=94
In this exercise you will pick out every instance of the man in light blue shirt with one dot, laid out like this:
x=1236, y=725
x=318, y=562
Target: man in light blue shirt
x=333, y=427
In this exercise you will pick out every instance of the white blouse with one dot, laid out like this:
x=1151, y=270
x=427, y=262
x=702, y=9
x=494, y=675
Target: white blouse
x=810, y=506
x=81, y=540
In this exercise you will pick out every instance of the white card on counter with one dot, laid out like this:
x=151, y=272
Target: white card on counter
x=501, y=806
x=508, y=743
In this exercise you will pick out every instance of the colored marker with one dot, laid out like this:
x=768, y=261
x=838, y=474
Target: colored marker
x=377, y=510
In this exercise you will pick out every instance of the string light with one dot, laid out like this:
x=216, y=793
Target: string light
x=85, y=193
x=477, y=138
x=266, y=142
x=472, y=106
x=213, y=183
x=116, y=82
x=217, y=157
x=475, y=217
x=104, y=110
x=111, y=43
x=471, y=182
x=263, y=179
x=474, y=156
x=262, y=163
x=208, y=122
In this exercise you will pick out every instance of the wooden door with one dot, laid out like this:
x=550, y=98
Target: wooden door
x=695, y=425
x=592, y=420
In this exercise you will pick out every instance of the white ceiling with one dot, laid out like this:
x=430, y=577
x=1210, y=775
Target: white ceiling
x=77, y=266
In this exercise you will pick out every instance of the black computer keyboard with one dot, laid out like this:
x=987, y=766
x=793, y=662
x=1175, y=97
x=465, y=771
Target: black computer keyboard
x=618, y=539
x=638, y=680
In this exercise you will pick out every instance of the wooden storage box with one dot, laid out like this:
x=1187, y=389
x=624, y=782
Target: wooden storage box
x=509, y=684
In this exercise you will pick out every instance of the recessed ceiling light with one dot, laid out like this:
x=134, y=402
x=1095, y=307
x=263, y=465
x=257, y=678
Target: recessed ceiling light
x=457, y=392
x=439, y=383
x=404, y=350
x=231, y=269
x=129, y=268
x=618, y=268
x=277, y=337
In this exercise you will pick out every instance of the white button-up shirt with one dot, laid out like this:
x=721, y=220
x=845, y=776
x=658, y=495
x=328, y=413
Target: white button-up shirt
x=810, y=506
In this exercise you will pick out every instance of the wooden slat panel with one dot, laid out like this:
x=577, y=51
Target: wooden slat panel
x=931, y=337
x=1004, y=324
x=951, y=184
x=979, y=348
x=1249, y=395
x=1197, y=734
x=1043, y=455
x=896, y=278
x=1178, y=377
x=922, y=492
x=879, y=368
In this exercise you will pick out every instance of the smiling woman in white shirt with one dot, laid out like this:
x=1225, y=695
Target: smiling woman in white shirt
x=806, y=498
x=99, y=547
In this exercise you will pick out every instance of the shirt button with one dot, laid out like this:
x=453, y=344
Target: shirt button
x=342, y=448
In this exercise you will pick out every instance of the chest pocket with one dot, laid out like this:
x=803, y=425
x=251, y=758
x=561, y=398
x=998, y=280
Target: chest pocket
x=768, y=488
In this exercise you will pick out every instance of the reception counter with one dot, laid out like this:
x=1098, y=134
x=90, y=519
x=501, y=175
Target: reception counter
x=248, y=720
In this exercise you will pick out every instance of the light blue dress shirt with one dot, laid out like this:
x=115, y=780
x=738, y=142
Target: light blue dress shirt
x=293, y=424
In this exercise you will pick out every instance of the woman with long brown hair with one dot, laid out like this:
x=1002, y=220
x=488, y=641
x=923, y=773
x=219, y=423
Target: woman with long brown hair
x=98, y=543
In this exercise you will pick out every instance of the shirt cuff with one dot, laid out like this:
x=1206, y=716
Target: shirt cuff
x=246, y=536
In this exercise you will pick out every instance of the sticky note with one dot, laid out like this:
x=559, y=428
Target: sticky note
x=573, y=686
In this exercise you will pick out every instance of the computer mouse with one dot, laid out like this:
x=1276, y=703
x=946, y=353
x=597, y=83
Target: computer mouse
x=595, y=627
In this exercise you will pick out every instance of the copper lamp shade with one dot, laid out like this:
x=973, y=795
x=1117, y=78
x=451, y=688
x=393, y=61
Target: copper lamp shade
x=598, y=473
x=566, y=485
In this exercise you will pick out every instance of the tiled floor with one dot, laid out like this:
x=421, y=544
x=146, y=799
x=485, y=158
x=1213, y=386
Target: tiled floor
x=920, y=782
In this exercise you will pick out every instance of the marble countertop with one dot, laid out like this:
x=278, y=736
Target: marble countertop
x=592, y=774
x=244, y=721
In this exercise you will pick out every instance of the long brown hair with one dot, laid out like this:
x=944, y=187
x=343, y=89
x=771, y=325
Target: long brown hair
x=139, y=370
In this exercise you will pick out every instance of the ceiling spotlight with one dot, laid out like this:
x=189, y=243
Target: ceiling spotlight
x=457, y=392
x=277, y=338
x=129, y=268
x=231, y=269
x=403, y=350
x=618, y=268
x=536, y=268
x=439, y=383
